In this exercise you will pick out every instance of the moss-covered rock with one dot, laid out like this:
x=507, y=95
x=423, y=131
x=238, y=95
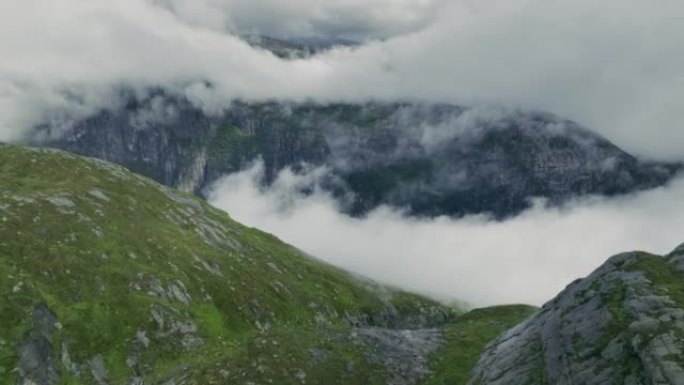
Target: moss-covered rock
x=624, y=324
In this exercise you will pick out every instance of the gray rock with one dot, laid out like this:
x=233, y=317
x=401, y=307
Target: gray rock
x=98, y=370
x=404, y=353
x=174, y=327
x=99, y=194
x=615, y=326
x=433, y=159
x=36, y=365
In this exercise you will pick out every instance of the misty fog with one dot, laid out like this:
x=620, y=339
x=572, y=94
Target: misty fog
x=527, y=259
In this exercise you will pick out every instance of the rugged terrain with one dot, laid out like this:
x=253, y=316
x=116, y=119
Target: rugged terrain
x=428, y=160
x=111, y=278
x=624, y=324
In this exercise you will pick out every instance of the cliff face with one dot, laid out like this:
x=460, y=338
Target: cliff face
x=624, y=324
x=429, y=160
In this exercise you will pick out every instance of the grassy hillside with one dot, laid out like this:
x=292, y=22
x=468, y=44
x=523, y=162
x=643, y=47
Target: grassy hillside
x=108, y=277
x=466, y=337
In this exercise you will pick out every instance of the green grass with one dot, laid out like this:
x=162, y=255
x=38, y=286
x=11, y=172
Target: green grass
x=466, y=338
x=98, y=244
x=666, y=279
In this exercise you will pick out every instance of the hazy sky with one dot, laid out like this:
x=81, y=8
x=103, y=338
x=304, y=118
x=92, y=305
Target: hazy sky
x=614, y=65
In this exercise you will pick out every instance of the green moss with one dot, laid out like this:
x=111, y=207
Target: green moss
x=537, y=376
x=614, y=300
x=664, y=276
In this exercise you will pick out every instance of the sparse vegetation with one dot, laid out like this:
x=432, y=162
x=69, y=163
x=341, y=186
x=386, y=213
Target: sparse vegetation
x=136, y=272
x=466, y=337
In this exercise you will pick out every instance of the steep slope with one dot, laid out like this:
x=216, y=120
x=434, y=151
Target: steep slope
x=429, y=160
x=624, y=324
x=110, y=278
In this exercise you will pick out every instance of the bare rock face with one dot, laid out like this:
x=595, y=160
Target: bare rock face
x=36, y=364
x=427, y=159
x=405, y=353
x=622, y=324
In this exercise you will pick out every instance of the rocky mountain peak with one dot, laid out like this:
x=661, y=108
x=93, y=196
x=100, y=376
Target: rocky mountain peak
x=622, y=324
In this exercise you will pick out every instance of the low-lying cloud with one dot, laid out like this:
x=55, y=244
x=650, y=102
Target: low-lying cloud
x=614, y=65
x=528, y=259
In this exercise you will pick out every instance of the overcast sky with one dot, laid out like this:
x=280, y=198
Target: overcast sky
x=614, y=65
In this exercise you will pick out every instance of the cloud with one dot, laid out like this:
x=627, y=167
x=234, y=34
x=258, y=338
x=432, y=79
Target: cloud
x=614, y=65
x=527, y=259
x=349, y=19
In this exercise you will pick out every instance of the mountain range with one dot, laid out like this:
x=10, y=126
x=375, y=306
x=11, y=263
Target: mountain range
x=427, y=160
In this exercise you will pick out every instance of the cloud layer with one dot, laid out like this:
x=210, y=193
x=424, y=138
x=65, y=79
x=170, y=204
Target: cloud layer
x=614, y=65
x=528, y=259
x=347, y=19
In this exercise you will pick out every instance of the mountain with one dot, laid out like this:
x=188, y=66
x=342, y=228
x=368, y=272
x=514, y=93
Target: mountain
x=624, y=324
x=292, y=49
x=111, y=278
x=425, y=159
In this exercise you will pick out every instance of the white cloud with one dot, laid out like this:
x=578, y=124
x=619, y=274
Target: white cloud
x=614, y=65
x=527, y=259
x=350, y=19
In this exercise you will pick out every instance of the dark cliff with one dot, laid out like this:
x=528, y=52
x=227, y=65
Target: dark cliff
x=429, y=160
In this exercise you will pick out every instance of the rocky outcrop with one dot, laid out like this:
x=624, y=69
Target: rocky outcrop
x=36, y=364
x=405, y=353
x=428, y=160
x=622, y=324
